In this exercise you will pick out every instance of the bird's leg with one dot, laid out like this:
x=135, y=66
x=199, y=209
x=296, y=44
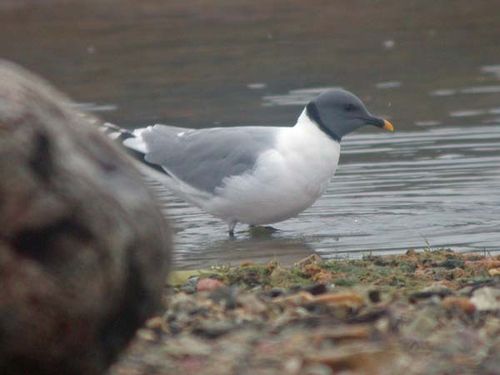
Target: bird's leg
x=231, y=227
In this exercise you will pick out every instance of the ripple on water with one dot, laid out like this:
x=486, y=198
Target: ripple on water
x=427, y=123
x=388, y=85
x=491, y=89
x=491, y=69
x=93, y=107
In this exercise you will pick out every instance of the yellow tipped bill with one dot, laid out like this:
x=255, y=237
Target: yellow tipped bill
x=388, y=126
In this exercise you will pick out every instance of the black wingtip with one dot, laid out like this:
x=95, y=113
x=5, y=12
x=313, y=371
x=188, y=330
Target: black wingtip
x=116, y=133
x=119, y=135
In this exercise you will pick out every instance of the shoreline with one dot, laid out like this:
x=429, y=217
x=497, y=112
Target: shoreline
x=427, y=312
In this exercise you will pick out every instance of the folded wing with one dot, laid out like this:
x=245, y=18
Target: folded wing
x=203, y=158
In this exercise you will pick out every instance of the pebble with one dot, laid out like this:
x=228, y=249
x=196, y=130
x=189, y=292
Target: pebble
x=459, y=303
x=494, y=272
x=486, y=299
x=208, y=285
x=191, y=285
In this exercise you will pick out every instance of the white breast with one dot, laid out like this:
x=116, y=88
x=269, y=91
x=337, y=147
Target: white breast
x=310, y=155
x=286, y=180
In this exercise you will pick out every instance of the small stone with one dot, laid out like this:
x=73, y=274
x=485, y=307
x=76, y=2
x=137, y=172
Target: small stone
x=276, y=292
x=346, y=332
x=432, y=291
x=208, y=285
x=311, y=259
x=187, y=346
x=247, y=263
x=350, y=300
x=451, y=263
x=486, y=299
x=225, y=296
x=279, y=276
x=459, y=303
x=190, y=286
x=494, y=272
x=213, y=329
x=323, y=277
x=317, y=369
x=316, y=289
x=374, y=296
x=146, y=335
x=251, y=303
x=292, y=365
x=360, y=359
x=156, y=323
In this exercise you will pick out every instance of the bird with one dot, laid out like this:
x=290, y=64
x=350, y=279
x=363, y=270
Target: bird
x=255, y=175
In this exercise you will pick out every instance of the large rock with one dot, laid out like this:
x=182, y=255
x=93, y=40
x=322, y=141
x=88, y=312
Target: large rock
x=83, y=245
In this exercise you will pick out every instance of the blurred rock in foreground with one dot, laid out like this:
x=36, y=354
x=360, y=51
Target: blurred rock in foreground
x=83, y=246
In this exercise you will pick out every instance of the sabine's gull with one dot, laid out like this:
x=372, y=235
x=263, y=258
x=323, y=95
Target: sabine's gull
x=251, y=174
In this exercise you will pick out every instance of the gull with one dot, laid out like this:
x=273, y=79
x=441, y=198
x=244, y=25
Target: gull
x=254, y=175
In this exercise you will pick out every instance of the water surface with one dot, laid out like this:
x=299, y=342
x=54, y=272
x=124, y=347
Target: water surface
x=433, y=188
x=433, y=68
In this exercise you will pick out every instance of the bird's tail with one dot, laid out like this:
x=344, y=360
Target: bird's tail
x=115, y=132
x=132, y=142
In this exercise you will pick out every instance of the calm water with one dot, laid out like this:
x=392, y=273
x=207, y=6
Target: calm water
x=432, y=68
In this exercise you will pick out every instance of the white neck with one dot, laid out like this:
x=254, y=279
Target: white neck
x=310, y=146
x=304, y=123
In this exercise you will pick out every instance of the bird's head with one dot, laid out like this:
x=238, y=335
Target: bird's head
x=339, y=112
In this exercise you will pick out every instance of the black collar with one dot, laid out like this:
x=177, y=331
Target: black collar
x=313, y=113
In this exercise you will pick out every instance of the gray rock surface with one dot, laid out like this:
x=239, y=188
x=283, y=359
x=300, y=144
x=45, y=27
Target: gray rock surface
x=83, y=246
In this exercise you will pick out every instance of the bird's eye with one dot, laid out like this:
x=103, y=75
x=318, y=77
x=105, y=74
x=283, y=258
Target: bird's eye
x=350, y=107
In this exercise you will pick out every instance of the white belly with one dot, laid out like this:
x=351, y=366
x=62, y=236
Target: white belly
x=285, y=180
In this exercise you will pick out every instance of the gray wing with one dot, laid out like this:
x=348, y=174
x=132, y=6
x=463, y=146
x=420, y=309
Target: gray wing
x=203, y=158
